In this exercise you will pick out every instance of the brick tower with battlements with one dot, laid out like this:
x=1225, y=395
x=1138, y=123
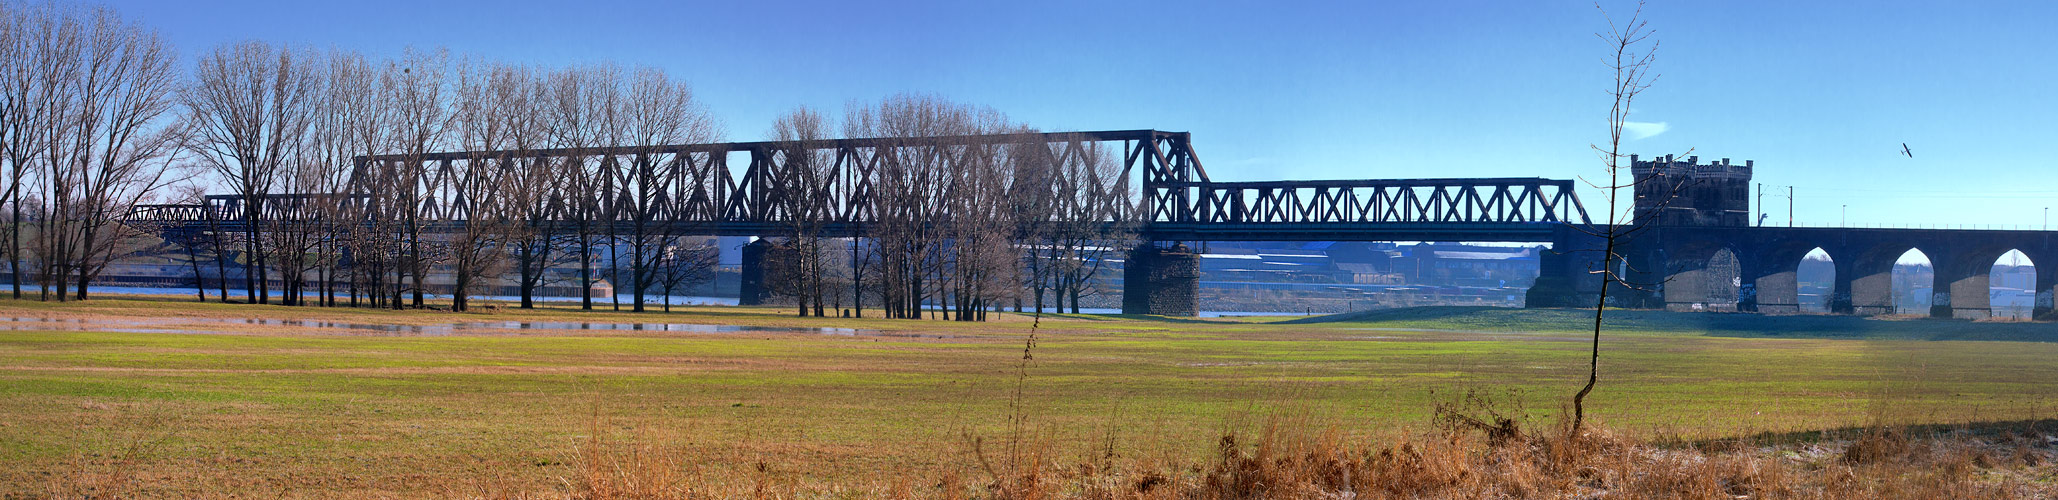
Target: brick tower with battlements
x=1670, y=192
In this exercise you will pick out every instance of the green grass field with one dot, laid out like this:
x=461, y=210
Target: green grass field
x=308, y=411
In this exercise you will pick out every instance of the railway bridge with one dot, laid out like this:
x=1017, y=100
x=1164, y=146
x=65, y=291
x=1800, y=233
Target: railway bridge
x=1164, y=194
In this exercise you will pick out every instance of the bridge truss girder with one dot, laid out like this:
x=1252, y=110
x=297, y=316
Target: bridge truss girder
x=689, y=184
x=691, y=189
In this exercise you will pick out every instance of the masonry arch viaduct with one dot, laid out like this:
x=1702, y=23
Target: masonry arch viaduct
x=1675, y=263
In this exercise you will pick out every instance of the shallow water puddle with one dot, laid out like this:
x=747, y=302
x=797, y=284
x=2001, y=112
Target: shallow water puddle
x=181, y=325
x=67, y=324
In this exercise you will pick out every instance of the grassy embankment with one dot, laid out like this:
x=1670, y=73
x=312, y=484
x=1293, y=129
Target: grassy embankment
x=318, y=411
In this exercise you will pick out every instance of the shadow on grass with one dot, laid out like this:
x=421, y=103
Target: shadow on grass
x=1985, y=429
x=1805, y=326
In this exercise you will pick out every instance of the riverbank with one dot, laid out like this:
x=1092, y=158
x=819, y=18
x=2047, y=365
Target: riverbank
x=213, y=400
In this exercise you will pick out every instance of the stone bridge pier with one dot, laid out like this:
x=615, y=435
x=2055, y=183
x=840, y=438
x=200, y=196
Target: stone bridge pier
x=2047, y=282
x=1755, y=269
x=1162, y=281
x=765, y=270
x=1566, y=275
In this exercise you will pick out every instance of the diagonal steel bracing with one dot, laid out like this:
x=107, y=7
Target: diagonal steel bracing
x=691, y=188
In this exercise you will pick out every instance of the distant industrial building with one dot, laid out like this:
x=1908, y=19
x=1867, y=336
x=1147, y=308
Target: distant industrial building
x=1375, y=263
x=1331, y=276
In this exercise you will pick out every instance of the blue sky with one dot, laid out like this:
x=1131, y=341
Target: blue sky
x=1820, y=94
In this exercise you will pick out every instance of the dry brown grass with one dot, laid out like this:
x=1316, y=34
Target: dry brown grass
x=1472, y=451
x=1475, y=447
x=1278, y=462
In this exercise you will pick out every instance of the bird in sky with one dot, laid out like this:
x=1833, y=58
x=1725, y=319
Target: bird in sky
x=1905, y=151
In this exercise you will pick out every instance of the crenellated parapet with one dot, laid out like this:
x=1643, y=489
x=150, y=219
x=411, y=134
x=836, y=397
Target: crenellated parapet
x=1671, y=191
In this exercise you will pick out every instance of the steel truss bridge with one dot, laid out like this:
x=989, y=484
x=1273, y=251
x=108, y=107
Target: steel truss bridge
x=693, y=189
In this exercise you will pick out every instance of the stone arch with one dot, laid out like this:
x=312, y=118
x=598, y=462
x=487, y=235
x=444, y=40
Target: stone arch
x=1771, y=277
x=1701, y=276
x=2042, y=251
x=1872, y=278
x=1724, y=285
x=2011, y=286
x=1815, y=282
x=1916, y=285
x=1963, y=282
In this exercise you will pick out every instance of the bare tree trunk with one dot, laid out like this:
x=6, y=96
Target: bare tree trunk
x=253, y=279
x=199, y=280
x=636, y=268
x=462, y=282
x=1631, y=65
x=353, y=286
x=528, y=281
x=614, y=268
x=585, y=272
x=221, y=265
x=14, y=244
x=420, y=265
x=857, y=278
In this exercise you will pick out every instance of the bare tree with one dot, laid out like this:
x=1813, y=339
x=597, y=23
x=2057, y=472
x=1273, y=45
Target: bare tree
x=532, y=196
x=108, y=149
x=977, y=230
x=1631, y=61
x=861, y=257
x=684, y=266
x=1033, y=200
x=493, y=114
x=25, y=36
x=311, y=181
x=42, y=49
x=195, y=241
x=249, y=107
x=294, y=233
x=1104, y=195
x=577, y=99
x=807, y=176
x=420, y=122
x=658, y=111
x=347, y=99
x=909, y=186
x=1077, y=206
x=947, y=213
x=371, y=217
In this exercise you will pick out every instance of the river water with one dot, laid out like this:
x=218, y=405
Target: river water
x=677, y=300
x=225, y=325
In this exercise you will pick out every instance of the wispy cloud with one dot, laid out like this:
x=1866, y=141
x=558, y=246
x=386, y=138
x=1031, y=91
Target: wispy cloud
x=1643, y=130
